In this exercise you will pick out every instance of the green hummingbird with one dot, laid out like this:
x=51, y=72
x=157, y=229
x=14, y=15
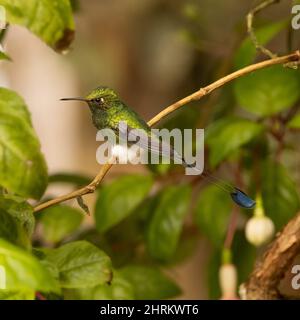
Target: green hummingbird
x=109, y=111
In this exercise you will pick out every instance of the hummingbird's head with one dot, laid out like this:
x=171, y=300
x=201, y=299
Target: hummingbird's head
x=99, y=98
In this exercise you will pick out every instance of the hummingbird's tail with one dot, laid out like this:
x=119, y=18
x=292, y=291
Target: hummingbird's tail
x=237, y=195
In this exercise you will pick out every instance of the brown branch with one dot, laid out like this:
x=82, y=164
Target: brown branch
x=90, y=188
x=264, y=280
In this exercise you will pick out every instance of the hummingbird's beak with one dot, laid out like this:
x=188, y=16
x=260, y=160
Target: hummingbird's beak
x=76, y=99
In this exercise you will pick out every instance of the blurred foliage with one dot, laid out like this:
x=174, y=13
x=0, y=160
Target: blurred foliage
x=149, y=282
x=52, y=22
x=212, y=214
x=146, y=223
x=264, y=94
x=59, y=221
x=119, y=199
x=166, y=222
x=22, y=166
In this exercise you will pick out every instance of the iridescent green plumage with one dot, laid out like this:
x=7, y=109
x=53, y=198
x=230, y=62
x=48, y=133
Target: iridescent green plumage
x=108, y=110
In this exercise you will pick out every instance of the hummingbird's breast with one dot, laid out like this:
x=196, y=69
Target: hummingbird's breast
x=100, y=119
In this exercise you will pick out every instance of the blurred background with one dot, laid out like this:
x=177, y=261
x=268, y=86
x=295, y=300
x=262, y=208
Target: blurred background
x=153, y=52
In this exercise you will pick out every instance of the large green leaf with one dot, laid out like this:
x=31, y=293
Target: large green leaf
x=149, y=283
x=119, y=199
x=280, y=196
x=22, y=166
x=59, y=221
x=268, y=91
x=21, y=210
x=247, y=51
x=227, y=135
x=212, y=213
x=80, y=264
x=17, y=295
x=11, y=230
x=17, y=221
x=23, y=271
x=166, y=222
x=118, y=289
x=50, y=20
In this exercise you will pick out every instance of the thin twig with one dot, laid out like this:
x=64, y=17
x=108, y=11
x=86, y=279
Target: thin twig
x=294, y=57
x=90, y=188
x=250, y=28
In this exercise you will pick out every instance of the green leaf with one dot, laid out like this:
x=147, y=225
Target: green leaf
x=22, y=166
x=59, y=221
x=51, y=20
x=21, y=210
x=4, y=56
x=166, y=222
x=12, y=231
x=119, y=289
x=118, y=199
x=149, y=283
x=75, y=179
x=280, y=196
x=247, y=51
x=17, y=295
x=212, y=213
x=295, y=122
x=228, y=135
x=268, y=91
x=80, y=264
x=23, y=271
x=17, y=221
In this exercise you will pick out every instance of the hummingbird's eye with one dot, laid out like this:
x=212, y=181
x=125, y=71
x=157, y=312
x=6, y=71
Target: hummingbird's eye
x=98, y=100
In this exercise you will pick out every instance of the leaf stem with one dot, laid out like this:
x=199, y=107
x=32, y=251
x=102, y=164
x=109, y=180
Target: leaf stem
x=250, y=28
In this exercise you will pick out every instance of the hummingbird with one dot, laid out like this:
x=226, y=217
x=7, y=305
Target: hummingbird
x=109, y=111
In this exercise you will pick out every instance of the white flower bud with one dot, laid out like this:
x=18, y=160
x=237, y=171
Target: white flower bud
x=259, y=230
x=228, y=281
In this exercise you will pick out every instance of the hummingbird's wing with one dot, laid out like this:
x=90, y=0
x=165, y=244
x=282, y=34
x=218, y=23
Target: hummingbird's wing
x=150, y=142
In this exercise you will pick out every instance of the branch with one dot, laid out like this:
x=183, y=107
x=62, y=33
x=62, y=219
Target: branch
x=250, y=29
x=90, y=188
x=264, y=280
